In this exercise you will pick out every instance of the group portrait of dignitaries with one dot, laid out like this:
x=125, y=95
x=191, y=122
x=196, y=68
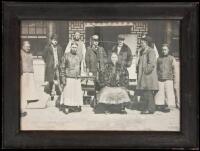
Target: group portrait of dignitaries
x=66, y=68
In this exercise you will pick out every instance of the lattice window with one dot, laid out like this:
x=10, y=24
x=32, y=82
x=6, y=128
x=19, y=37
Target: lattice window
x=33, y=29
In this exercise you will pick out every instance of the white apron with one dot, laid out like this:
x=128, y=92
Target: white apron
x=28, y=89
x=72, y=93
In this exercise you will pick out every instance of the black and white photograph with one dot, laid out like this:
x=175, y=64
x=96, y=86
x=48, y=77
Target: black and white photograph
x=115, y=75
x=100, y=75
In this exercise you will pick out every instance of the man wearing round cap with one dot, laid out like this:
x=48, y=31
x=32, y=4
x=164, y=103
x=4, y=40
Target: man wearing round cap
x=123, y=51
x=167, y=79
x=52, y=57
x=147, y=81
x=95, y=57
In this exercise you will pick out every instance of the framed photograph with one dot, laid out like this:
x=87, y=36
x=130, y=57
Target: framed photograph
x=100, y=75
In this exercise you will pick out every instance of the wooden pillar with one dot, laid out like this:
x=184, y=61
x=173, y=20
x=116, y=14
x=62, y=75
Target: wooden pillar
x=52, y=29
x=168, y=32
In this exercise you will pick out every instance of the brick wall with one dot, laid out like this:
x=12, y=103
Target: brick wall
x=139, y=28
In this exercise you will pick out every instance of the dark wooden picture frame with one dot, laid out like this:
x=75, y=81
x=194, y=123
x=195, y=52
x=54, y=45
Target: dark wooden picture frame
x=187, y=13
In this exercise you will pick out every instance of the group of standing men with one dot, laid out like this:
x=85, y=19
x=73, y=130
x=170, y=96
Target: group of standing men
x=78, y=61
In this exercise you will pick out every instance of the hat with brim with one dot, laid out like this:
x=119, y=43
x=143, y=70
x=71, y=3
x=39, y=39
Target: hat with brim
x=147, y=38
x=95, y=37
x=121, y=37
x=54, y=36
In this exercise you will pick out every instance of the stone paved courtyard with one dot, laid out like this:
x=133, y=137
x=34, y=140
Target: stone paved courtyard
x=52, y=119
x=43, y=115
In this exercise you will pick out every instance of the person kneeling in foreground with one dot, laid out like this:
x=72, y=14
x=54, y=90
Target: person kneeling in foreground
x=114, y=81
x=70, y=70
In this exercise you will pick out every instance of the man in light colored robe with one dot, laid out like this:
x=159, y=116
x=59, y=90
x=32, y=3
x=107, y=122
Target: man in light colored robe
x=81, y=51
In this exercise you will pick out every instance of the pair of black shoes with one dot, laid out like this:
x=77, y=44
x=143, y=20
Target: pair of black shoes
x=164, y=109
x=63, y=109
x=67, y=110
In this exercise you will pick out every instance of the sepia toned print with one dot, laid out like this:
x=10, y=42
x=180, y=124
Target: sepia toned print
x=100, y=75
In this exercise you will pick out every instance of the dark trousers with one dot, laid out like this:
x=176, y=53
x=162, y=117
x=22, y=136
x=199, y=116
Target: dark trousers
x=49, y=89
x=148, y=101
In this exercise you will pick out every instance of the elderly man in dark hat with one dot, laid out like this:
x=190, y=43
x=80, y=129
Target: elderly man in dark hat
x=52, y=58
x=95, y=58
x=147, y=82
x=123, y=51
